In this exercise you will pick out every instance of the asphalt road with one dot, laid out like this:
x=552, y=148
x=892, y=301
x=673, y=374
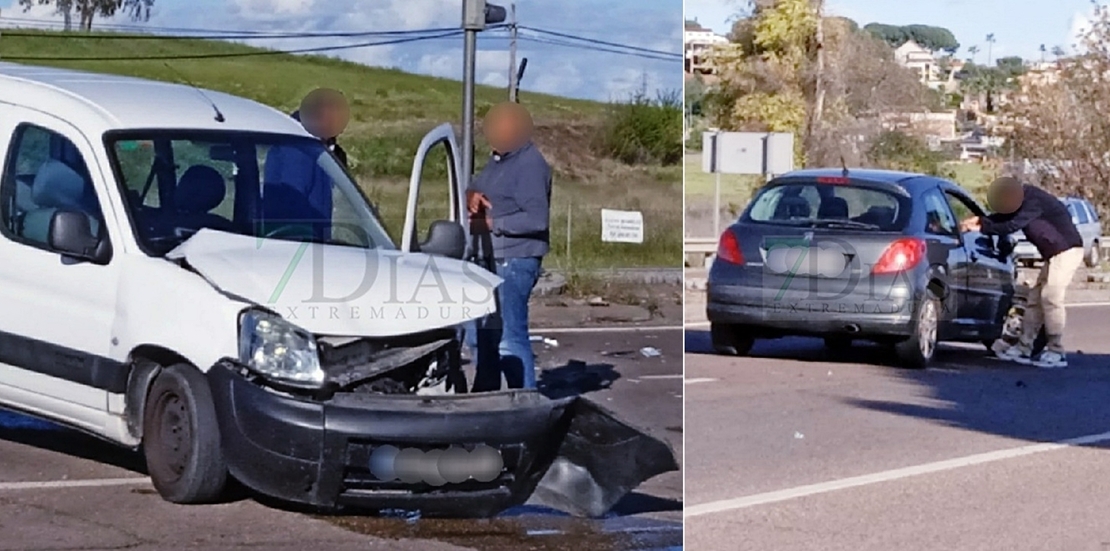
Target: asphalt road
x=795, y=450
x=63, y=490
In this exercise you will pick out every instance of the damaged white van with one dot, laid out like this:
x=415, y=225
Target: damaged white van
x=191, y=273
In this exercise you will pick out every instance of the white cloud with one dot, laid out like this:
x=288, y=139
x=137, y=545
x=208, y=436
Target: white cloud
x=578, y=72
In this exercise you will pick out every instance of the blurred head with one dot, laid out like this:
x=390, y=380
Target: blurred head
x=507, y=127
x=1005, y=195
x=325, y=113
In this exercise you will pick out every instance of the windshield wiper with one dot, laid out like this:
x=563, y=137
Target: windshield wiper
x=843, y=223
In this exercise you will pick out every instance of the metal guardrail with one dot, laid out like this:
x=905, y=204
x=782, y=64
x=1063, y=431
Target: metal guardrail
x=699, y=250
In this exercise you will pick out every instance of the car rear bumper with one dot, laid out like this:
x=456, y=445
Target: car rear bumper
x=801, y=313
x=317, y=452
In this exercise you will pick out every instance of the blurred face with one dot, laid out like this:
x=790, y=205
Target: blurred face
x=1005, y=196
x=507, y=127
x=325, y=113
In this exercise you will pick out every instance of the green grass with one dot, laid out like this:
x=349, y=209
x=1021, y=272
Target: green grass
x=702, y=185
x=391, y=111
x=973, y=177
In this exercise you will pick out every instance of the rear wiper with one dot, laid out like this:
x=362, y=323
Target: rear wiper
x=844, y=223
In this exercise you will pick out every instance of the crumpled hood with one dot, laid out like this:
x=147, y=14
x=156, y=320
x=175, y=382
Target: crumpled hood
x=337, y=290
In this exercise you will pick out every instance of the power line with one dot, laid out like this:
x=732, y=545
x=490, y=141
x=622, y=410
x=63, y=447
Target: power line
x=603, y=43
x=590, y=48
x=561, y=39
x=257, y=53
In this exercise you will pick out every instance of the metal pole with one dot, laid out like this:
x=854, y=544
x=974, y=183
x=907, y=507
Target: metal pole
x=512, y=54
x=716, y=153
x=717, y=204
x=470, y=52
x=569, y=211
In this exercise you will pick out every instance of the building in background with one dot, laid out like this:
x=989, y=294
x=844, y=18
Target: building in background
x=698, y=43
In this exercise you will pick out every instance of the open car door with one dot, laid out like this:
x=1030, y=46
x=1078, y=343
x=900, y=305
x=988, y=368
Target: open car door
x=448, y=232
x=587, y=459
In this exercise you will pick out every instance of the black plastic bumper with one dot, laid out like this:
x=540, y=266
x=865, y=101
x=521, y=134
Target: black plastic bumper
x=571, y=453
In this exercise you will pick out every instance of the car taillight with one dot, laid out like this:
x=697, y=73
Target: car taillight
x=728, y=249
x=901, y=255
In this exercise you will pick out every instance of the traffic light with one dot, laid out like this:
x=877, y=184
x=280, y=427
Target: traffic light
x=477, y=14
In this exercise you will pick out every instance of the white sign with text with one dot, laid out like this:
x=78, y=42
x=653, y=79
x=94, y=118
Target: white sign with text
x=622, y=226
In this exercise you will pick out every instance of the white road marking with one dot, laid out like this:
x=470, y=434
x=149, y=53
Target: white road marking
x=697, y=380
x=606, y=329
x=654, y=377
x=886, y=476
x=90, y=483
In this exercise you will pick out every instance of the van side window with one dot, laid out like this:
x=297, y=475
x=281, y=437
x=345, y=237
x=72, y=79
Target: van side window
x=45, y=174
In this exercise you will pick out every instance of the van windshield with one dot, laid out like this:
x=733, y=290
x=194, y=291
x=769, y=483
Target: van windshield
x=176, y=183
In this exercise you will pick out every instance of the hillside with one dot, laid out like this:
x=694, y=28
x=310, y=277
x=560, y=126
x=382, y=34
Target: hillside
x=391, y=111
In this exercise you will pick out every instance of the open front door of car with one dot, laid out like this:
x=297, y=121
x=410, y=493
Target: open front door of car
x=444, y=214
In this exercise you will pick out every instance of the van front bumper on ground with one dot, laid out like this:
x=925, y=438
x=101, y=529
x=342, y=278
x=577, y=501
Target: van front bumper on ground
x=569, y=453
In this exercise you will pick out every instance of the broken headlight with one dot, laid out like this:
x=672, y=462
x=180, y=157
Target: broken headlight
x=278, y=350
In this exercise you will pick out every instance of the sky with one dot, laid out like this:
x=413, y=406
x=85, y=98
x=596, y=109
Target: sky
x=1019, y=26
x=571, y=72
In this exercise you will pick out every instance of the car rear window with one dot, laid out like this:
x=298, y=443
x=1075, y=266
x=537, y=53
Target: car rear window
x=815, y=203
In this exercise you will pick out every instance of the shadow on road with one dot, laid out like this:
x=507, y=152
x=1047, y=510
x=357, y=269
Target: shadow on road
x=576, y=378
x=968, y=389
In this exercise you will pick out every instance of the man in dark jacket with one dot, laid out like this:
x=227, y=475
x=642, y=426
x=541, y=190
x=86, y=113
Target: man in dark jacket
x=294, y=173
x=1049, y=227
x=510, y=208
x=324, y=113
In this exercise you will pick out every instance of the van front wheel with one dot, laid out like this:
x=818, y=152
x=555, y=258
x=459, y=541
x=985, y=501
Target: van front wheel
x=181, y=438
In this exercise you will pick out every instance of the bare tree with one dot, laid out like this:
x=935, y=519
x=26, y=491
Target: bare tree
x=1059, y=123
x=87, y=10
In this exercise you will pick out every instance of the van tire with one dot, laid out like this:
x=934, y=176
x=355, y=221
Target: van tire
x=181, y=437
x=918, y=350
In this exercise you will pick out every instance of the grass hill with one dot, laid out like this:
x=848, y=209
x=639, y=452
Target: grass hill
x=391, y=111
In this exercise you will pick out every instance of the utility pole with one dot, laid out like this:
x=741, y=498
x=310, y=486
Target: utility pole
x=512, y=53
x=476, y=14
x=819, y=96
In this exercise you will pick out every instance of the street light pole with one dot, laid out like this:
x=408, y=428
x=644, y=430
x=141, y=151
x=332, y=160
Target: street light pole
x=476, y=14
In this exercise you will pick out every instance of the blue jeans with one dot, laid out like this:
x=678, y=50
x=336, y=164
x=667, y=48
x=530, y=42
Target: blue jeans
x=503, y=344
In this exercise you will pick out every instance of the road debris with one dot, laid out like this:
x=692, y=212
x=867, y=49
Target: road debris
x=650, y=352
x=597, y=301
x=799, y=436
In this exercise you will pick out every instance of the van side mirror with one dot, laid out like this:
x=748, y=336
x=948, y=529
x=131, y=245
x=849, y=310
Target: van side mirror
x=71, y=235
x=445, y=239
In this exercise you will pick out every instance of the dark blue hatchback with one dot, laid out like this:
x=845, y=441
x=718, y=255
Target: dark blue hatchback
x=862, y=254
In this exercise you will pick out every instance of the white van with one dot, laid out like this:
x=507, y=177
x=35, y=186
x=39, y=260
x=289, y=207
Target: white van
x=191, y=273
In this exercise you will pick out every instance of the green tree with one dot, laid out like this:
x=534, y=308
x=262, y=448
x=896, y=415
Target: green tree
x=1012, y=66
x=891, y=34
x=87, y=10
x=937, y=39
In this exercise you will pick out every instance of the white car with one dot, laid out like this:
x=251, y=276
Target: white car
x=191, y=273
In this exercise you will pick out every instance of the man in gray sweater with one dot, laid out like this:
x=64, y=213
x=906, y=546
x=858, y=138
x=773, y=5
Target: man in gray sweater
x=510, y=206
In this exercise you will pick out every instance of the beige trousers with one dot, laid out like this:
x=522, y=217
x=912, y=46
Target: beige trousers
x=1045, y=305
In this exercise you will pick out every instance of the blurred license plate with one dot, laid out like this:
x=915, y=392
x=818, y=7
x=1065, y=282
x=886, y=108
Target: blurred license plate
x=804, y=261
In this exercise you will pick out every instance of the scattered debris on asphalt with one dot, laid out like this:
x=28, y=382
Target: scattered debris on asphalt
x=650, y=352
x=799, y=436
x=618, y=353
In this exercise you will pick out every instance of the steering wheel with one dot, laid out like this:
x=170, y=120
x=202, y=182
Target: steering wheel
x=295, y=231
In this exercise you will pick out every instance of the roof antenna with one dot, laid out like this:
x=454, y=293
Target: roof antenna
x=219, y=115
x=843, y=166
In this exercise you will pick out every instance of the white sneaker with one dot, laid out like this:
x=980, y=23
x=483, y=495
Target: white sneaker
x=1015, y=354
x=1051, y=360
